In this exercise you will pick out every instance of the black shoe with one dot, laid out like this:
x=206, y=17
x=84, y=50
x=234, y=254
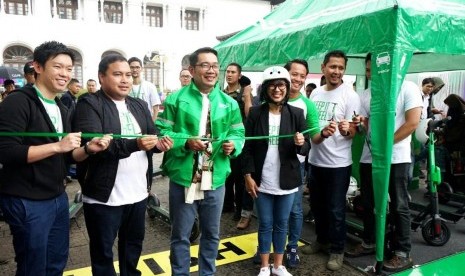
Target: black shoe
x=397, y=263
x=309, y=217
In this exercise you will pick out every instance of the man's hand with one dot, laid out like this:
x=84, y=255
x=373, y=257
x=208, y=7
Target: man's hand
x=99, y=144
x=147, y=142
x=196, y=144
x=299, y=139
x=165, y=144
x=228, y=147
x=69, y=142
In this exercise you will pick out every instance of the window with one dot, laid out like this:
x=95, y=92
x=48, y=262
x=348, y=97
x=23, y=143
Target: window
x=77, y=68
x=18, y=7
x=16, y=56
x=113, y=12
x=192, y=20
x=66, y=9
x=154, y=16
x=152, y=68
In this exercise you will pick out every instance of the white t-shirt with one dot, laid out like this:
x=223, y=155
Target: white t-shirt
x=425, y=103
x=409, y=97
x=148, y=92
x=269, y=183
x=54, y=114
x=339, y=103
x=131, y=181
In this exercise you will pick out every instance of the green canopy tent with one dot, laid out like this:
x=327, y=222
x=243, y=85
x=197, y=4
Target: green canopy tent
x=404, y=36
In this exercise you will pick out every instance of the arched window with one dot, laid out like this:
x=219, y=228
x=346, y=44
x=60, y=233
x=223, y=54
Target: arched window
x=77, y=69
x=152, y=68
x=16, y=56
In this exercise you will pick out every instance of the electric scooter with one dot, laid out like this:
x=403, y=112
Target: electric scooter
x=433, y=227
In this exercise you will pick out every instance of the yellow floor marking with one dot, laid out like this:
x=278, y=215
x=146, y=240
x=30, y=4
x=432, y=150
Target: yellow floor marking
x=230, y=250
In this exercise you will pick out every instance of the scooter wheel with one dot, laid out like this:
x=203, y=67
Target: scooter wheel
x=435, y=240
x=195, y=231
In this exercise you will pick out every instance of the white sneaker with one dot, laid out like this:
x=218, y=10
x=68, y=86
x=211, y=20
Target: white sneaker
x=280, y=271
x=264, y=271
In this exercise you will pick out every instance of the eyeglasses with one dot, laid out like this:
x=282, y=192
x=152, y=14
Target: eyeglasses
x=279, y=85
x=206, y=66
x=186, y=76
x=135, y=67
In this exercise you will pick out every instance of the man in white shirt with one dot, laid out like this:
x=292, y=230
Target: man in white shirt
x=143, y=89
x=408, y=111
x=331, y=160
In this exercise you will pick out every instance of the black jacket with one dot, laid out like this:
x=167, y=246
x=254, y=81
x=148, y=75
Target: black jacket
x=254, y=152
x=22, y=111
x=96, y=113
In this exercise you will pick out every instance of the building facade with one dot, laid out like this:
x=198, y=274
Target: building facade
x=159, y=32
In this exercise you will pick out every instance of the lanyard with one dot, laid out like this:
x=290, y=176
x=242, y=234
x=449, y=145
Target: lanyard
x=138, y=91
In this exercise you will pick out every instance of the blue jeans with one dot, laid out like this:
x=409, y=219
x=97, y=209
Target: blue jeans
x=182, y=216
x=297, y=214
x=399, y=209
x=328, y=200
x=40, y=230
x=273, y=215
x=104, y=223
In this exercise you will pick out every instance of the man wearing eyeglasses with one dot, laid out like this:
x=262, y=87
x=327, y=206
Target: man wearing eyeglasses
x=185, y=77
x=143, y=89
x=198, y=167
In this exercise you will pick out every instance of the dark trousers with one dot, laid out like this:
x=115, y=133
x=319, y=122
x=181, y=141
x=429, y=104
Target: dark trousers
x=367, y=195
x=235, y=193
x=398, y=207
x=104, y=223
x=40, y=230
x=328, y=203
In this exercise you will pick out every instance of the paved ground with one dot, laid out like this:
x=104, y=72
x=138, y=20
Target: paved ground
x=157, y=240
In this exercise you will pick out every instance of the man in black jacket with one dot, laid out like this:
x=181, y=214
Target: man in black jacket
x=32, y=194
x=114, y=182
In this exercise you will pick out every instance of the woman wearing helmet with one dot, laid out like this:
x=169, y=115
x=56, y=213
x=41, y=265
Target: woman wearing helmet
x=271, y=167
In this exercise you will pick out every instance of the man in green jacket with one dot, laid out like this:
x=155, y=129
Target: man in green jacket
x=207, y=129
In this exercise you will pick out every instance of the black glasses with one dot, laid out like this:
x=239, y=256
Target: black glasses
x=279, y=85
x=206, y=66
x=186, y=76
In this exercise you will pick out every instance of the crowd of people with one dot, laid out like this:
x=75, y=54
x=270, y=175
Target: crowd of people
x=212, y=167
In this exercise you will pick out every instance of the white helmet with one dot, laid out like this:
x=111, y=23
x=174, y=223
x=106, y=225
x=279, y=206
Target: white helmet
x=421, y=133
x=276, y=72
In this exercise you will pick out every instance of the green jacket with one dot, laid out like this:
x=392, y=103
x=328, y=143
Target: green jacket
x=181, y=119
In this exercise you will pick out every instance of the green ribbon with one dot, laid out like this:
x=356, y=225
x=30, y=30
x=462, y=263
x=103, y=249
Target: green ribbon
x=92, y=135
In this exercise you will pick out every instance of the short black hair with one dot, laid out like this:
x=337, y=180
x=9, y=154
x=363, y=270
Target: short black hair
x=298, y=61
x=8, y=82
x=135, y=59
x=427, y=80
x=312, y=85
x=91, y=80
x=368, y=58
x=194, y=57
x=335, y=53
x=239, y=68
x=49, y=50
x=107, y=60
x=73, y=81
